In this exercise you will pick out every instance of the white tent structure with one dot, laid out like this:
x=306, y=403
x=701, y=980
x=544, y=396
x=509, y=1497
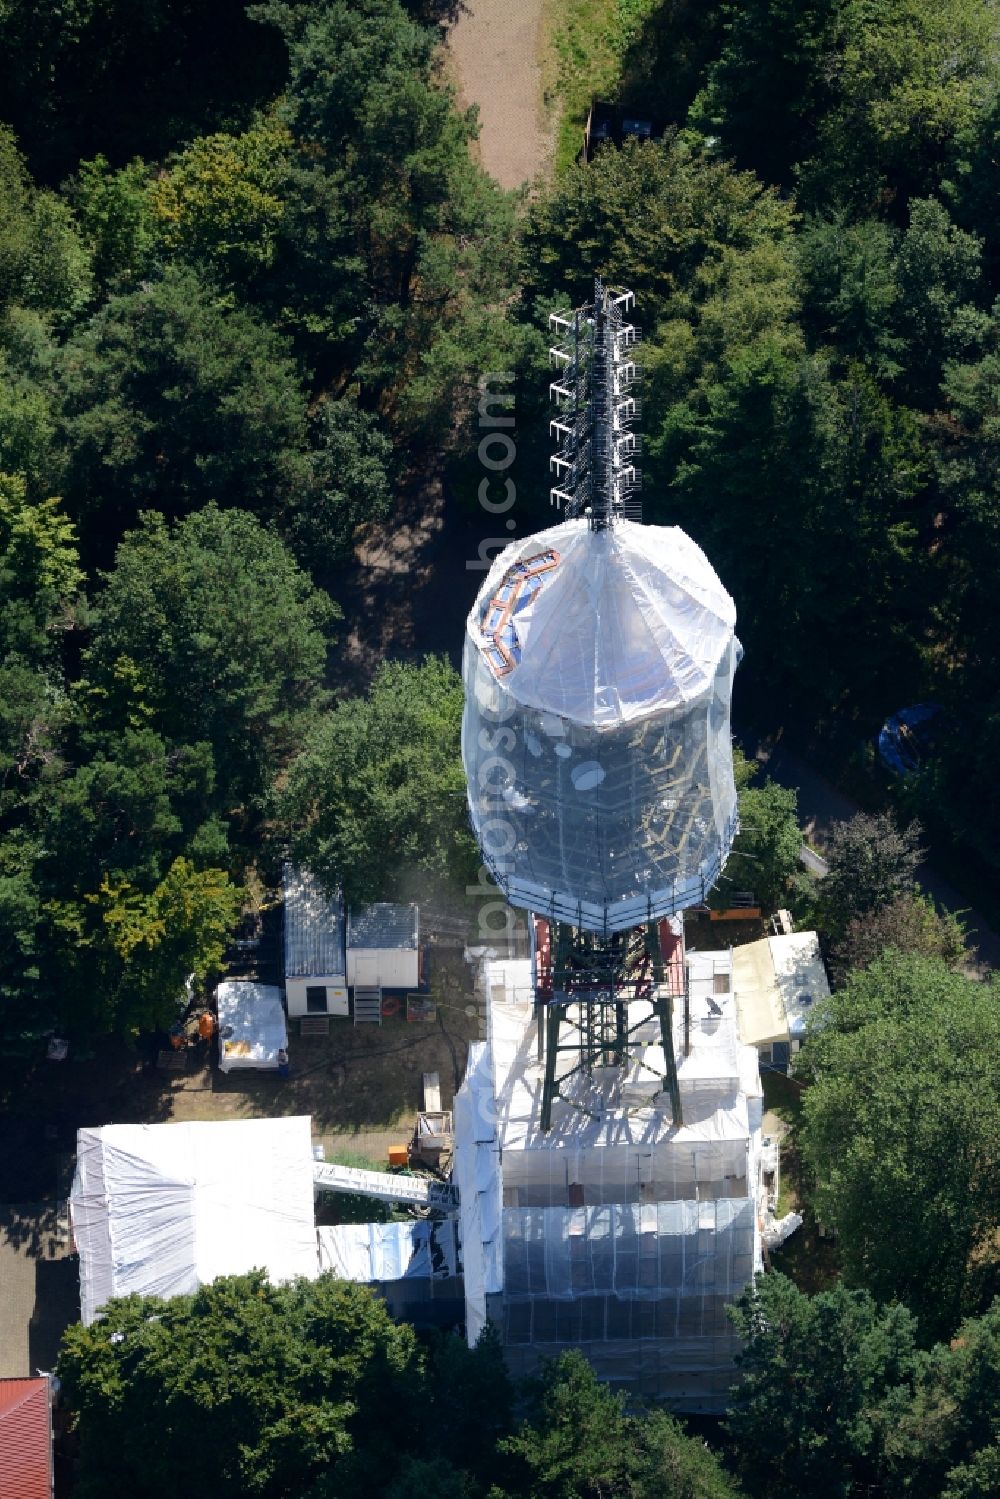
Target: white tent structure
x=598, y=674
x=252, y=1028
x=777, y=982
x=160, y=1209
x=616, y=1231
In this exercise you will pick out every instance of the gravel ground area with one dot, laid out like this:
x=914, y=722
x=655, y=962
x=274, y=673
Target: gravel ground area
x=495, y=48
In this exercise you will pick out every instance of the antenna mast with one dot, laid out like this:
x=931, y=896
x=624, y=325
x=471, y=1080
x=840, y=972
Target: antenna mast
x=595, y=462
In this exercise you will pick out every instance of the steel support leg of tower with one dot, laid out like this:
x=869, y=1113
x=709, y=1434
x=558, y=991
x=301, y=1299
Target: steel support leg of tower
x=552, y=1021
x=663, y=1005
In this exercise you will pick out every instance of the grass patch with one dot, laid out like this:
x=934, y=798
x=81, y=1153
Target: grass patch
x=350, y=1207
x=588, y=41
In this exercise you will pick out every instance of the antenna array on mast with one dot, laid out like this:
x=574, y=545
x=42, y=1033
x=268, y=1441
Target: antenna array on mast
x=594, y=390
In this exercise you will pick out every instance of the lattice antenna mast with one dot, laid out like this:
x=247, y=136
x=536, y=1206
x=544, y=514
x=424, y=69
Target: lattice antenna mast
x=596, y=461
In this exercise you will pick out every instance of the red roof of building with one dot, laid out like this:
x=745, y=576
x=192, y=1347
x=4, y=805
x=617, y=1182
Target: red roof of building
x=25, y=1439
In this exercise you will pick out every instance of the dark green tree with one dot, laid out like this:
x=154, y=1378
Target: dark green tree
x=581, y=1444
x=939, y=275
x=108, y=76
x=347, y=486
x=948, y=1444
x=281, y=1392
x=169, y=399
x=666, y=220
x=955, y=791
x=393, y=253
x=851, y=295
x=376, y=801
x=129, y=860
x=824, y=1381
x=899, y=1133
x=911, y=923
x=40, y=603
x=769, y=84
x=277, y=1391
x=837, y=1399
x=211, y=633
x=871, y=863
x=910, y=82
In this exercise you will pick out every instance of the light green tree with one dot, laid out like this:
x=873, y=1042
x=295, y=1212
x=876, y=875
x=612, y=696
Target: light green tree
x=899, y=1129
x=43, y=261
x=765, y=854
x=376, y=801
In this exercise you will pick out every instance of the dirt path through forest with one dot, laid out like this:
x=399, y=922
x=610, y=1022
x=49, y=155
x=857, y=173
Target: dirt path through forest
x=408, y=587
x=495, y=48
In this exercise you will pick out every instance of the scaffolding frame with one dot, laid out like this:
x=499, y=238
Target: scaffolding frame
x=595, y=978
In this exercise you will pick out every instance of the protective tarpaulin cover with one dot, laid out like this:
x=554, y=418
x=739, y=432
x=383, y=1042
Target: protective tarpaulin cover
x=252, y=1028
x=596, y=735
x=160, y=1209
x=778, y=980
x=631, y=621
x=385, y=1252
x=476, y=1173
x=624, y=1234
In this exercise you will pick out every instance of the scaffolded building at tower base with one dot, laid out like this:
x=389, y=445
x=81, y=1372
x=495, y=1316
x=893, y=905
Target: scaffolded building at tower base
x=618, y=1231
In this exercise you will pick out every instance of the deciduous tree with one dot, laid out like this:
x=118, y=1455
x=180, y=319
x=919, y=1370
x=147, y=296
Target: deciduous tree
x=376, y=801
x=211, y=631
x=912, y=923
x=824, y=1380
x=765, y=854
x=900, y=1126
x=170, y=399
x=581, y=1444
x=870, y=864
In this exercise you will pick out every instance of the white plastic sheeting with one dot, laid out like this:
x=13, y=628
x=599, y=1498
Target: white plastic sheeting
x=622, y=1233
x=597, y=750
x=777, y=1230
x=160, y=1209
x=632, y=621
x=476, y=1173
x=252, y=1027
x=384, y=1252
x=800, y=977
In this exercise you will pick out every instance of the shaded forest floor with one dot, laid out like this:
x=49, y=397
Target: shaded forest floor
x=407, y=590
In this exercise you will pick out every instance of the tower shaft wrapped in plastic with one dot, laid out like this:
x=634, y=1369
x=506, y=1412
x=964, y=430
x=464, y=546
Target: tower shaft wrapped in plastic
x=598, y=673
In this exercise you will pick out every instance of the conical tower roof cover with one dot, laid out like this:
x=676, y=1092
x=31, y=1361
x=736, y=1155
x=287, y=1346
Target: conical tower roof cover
x=623, y=623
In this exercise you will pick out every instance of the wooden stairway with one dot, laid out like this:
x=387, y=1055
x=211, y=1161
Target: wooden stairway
x=367, y=1004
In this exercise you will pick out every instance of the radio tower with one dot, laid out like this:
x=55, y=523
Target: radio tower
x=608, y=1136
x=599, y=656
